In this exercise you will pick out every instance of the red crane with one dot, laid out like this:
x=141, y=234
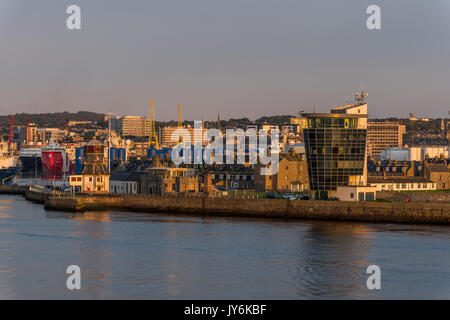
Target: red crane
x=28, y=132
x=11, y=127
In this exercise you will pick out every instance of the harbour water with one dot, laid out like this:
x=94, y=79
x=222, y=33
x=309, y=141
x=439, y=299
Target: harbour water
x=146, y=256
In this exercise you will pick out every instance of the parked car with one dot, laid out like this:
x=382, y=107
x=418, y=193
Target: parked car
x=303, y=197
x=333, y=199
x=288, y=196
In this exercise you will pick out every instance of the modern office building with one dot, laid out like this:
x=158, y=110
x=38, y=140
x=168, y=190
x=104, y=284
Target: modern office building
x=135, y=126
x=165, y=135
x=384, y=135
x=335, y=145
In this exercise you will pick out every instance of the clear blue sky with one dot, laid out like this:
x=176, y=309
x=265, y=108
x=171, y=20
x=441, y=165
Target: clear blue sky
x=237, y=57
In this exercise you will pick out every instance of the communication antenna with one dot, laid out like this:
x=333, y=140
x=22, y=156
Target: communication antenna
x=360, y=96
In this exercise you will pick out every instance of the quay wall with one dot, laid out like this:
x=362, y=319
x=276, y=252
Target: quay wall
x=423, y=213
x=13, y=190
x=35, y=196
x=415, y=196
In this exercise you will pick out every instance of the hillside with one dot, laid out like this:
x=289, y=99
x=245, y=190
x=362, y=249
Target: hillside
x=55, y=120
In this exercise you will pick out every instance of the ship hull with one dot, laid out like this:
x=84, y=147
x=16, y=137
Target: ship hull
x=53, y=165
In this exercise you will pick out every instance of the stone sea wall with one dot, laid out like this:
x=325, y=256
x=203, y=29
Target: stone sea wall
x=15, y=190
x=415, y=196
x=428, y=213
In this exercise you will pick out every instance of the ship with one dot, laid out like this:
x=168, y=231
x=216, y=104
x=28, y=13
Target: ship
x=7, y=162
x=55, y=162
x=8, y=166
x=31, y=162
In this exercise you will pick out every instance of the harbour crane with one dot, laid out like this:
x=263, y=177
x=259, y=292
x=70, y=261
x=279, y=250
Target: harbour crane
x=153, y=138
x=11, y=133
x=180, y=119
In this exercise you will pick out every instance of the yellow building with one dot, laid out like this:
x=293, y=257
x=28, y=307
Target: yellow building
x=136, y=126
x=301, y=124
x=90, y=183
x=292, y=175
x=165, y=136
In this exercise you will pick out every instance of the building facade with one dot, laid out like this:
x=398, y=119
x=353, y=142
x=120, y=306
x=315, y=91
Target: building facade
x=135, y=126
x=438, y=171
x=335, y=145
x=165, y=136
x=158, y=179
x=382, y=136
x=95, y=175
x=394, y=183
x=292, y=175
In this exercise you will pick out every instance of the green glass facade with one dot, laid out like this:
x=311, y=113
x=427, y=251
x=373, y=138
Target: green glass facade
x=335, y=150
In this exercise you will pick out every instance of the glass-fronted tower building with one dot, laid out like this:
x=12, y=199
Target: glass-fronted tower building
x=335, y=145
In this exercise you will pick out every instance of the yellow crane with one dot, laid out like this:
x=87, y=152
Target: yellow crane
x=180, y=122
x=180, y=119
x=153, y=138
x=7, y=178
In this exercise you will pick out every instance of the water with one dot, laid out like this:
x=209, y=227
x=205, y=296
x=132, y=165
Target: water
x=144, y=256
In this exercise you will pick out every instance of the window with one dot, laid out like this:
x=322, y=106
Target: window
x=351, y=195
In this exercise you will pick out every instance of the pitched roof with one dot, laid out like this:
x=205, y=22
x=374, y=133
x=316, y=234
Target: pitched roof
x=438, y=168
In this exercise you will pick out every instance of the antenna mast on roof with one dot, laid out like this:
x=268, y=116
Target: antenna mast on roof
x=360, y=96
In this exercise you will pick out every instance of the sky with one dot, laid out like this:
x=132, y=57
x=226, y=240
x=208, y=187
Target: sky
x=242, y=58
